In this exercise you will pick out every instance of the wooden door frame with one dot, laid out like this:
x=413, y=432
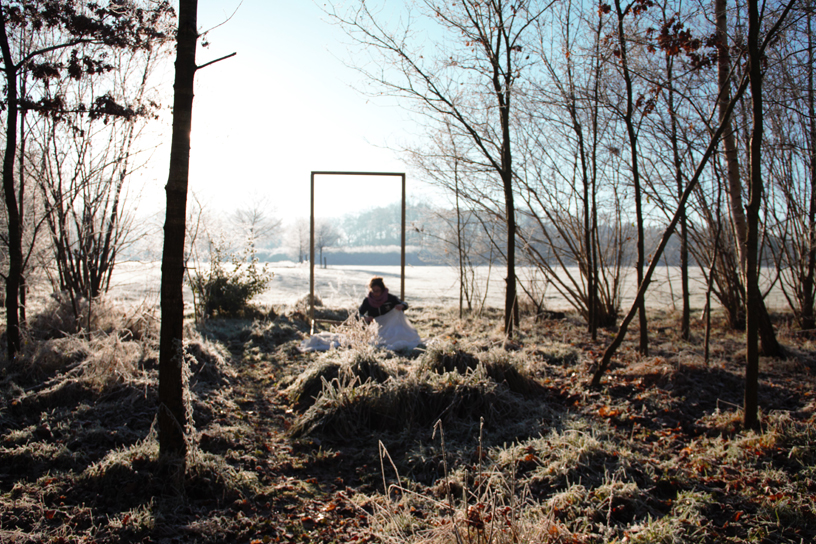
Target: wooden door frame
x=312, y=233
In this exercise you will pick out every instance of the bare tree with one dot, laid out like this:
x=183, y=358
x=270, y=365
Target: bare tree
x=791, y=152
x=569, y=161
x=62, y=26
x=173, y=418
x=453, y=234
x=325, y=235
x=297, y=238
x=172, y=415
x=470, y=79
x=82, y=164
x=757, y=49
x=632, y=128
x=770, y=345
x=256, y=219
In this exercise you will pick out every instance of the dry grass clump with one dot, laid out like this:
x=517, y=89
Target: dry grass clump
x=556, y=354
x=99, y=363
x=46, y=357
x=336, y=369
x=131, y=476
x=354, y=409
x=497, y=365
x=577, y=484
x=442, y=359
x=511, y=369
x=308, y=386
x=114, y=350
x=208, y=362
x=473, y=503
x=364, y=368
x=33, y=455
x=682, y=525
x=270, y=334
x=64, y=317
x=478, y=516
x=112, y=362
x=495, y=500
x=576, y=454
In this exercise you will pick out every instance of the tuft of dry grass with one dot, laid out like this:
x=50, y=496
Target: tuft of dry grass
x=63, y=317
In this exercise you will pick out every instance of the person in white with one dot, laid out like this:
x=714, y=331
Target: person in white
x=382, y=311
x=388, y=313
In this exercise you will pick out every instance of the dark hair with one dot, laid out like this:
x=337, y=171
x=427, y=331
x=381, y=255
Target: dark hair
x=376, y=281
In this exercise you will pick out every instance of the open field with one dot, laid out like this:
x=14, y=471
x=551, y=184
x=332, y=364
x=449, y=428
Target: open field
x=470, y=439
x=345, y=286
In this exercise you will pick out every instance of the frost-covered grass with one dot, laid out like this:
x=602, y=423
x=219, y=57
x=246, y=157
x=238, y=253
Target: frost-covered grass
x=473, y=438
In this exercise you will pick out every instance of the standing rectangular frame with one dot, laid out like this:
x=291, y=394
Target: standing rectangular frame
x=312, y=234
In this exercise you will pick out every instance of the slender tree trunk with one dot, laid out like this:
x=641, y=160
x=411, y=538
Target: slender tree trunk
x=510, y=303
x=588, y=264
x=15, y=238
x=770, y=344
x=460, y=250
x=685, y=320
x=172, y=415
x=643, y=347
x=502, y=86
x=753, y=294
x=729, y=140
x=808, y=319
x=21, y=307
x=594, y=298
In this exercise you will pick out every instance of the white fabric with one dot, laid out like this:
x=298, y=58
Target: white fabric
x=394, y=332
x=323, y=341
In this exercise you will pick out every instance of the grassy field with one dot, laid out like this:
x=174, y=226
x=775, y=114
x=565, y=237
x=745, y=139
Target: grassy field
x=470, y=439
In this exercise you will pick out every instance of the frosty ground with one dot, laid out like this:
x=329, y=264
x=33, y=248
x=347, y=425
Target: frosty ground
x=472, y=438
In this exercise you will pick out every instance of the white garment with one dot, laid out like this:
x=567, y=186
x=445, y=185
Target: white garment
x=394, y=332
x=323, y=341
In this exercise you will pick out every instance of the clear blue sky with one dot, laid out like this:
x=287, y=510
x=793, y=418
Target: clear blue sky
x=282, y=107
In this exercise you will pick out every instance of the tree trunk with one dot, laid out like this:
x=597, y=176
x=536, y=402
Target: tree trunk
x=808, y=319
x=753, y=294
x=729, y=141
x=643, y=347
x=510, y=302
x=172, y=414
x=770, y=345
x=502, y=87
x=685, y=320
x=15, y=234
x=21, y=305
